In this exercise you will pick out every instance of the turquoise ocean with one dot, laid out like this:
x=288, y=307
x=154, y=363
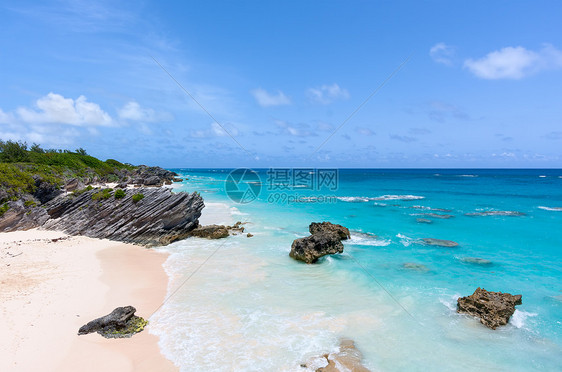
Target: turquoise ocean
x=242, y=304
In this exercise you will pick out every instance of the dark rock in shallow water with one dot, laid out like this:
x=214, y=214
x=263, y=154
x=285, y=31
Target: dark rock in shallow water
x=121, y=322
x=160, y=218
x=437, y=215
x=477, y=261
x=423, y=220
x=316, y=227
x=493, y=308
x=440, y=242
x=311, y=248
x=496, y=213
x=210, y=232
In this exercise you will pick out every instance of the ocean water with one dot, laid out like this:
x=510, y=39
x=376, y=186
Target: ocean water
x=242, y=304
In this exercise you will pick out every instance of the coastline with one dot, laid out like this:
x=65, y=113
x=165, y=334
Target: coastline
x=52, y=283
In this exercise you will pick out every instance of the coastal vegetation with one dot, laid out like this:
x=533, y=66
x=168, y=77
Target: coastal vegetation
x=23, y=168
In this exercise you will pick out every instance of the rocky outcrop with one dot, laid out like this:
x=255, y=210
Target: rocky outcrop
x=325, y=239
x=311, y=248
x=160, y=217
x=218, y=231
x=210, y=232
x=440, y=242
x=493, y=308
x=121, y=322
x=45, y=191
x=346, y=359
x=342, y=232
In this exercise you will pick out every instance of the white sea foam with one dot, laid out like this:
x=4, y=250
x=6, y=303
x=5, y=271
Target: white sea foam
x=467, y=175
x=355, y=199
x=405, y=240
x=519, y=317
x=450, y=303
x=554, y=209
x=399, y=197
x=366, y=239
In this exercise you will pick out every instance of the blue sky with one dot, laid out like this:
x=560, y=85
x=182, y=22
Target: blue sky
x=482, y=85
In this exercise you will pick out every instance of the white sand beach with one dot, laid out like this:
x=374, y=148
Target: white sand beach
x=52, y=283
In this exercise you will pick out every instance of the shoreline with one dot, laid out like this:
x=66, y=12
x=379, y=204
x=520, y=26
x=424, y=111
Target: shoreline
x=52, y=283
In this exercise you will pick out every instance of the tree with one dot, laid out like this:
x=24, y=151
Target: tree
x=11, y=151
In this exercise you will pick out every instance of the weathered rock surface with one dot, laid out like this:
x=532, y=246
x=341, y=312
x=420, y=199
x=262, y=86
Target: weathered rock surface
x=440, y=242
x=210, y=232
x=311, y=248
x=160, y=218
x=346, y=359
x=121, y=322
x=45, y=191
x=493, y=308
x=316, y=227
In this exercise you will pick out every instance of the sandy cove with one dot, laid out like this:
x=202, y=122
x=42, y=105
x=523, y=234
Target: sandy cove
x=52, y=283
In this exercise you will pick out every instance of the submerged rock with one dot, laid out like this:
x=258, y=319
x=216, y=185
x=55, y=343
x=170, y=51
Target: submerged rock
x=423, y=220
x=477, y=261
x=493, y=308
x=121, y=322
x=440, y=242
x=316, y=227
x=496, y=213
x=311, y=248
x=346, y=359
x=437, y=215
x=415, y=266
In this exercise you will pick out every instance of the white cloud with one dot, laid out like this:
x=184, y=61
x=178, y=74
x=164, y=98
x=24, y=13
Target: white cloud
x=215, y=130
x=364, y=131
x=54, y=108
x=327, y=94
x=133, y=111
x=442, y=53
x=6, y=117
x=266, y=99
x=515, y=62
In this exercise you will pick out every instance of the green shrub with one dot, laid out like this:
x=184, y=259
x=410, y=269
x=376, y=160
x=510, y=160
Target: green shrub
x=119, y=194
x=137, y=197
x=80, y=192
x=30, y=203
x=11, y=151
x=3, y=209
x=102, y=194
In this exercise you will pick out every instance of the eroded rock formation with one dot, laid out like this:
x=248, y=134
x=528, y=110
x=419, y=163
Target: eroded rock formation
x=493, y=308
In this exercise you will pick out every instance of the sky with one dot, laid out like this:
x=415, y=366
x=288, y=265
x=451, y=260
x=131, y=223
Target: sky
x=226, y=84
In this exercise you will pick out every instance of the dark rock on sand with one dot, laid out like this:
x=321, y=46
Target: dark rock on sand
x=316, y=227
x=440, y=242
x=347, y=359
x=121, y=322
x=496, y=213
x=493, y=308
x=249, y=235
x=210, y=232
x=20, y=217
x=477, y=261
x=311, y=248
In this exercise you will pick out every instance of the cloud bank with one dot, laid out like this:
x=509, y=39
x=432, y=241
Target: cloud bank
x=266, y=99
x=515, y=62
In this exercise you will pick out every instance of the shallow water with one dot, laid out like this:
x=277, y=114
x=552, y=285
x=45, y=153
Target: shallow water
x=244, y=305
